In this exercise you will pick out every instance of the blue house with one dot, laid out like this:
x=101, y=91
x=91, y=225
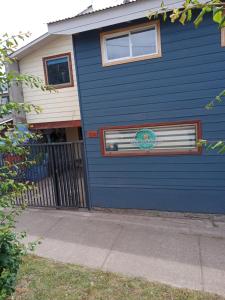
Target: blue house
x=143, y=87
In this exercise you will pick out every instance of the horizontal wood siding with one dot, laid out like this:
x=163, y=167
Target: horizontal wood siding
x=175, y=87
x=62, y=105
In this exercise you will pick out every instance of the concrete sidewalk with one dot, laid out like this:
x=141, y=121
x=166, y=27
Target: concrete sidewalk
x=179, y=251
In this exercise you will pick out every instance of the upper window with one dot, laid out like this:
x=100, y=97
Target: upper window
x=58, y=70
x=131, y=44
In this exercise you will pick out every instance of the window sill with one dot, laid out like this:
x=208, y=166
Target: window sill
x=130, y=60
x=63, y=86
x=155, y=153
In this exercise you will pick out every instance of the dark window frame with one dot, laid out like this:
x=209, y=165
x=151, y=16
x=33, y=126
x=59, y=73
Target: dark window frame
x=63, y=85
x=196, y=151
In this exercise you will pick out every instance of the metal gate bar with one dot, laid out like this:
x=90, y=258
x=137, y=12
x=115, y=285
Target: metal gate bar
x=57, y=175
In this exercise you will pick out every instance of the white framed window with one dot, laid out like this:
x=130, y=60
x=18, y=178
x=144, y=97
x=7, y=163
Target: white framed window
x=130, y=44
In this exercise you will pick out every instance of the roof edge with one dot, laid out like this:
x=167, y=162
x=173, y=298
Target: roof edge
x=133, y=10
x=30, y=44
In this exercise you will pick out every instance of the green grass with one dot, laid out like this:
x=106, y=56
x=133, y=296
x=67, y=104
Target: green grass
x=42, y=279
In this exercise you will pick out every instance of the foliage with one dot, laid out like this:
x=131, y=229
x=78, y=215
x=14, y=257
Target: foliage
x=185, y=14
x=13, y=161
x=218, y=99
x=194, y=11
x=219, y=146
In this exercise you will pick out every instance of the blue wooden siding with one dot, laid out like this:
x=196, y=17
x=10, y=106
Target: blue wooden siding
x=172, y=88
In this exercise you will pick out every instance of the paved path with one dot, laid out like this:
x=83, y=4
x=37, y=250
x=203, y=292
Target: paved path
x=178, y=251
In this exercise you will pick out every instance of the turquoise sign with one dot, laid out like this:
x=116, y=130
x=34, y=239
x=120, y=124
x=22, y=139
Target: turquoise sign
x=145, y=139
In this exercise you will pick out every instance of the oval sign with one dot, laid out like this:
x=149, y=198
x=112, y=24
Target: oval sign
x=145, y=139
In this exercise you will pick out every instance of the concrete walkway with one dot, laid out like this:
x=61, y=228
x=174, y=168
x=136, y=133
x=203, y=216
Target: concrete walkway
x=180, y=251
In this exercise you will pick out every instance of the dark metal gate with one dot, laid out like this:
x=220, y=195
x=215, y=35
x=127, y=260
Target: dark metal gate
x=58, y=176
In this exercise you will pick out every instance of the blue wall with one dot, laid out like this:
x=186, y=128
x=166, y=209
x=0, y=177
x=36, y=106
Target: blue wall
x=172, y=88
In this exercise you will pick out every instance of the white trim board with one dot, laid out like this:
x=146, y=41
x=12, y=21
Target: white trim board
x=34, y=45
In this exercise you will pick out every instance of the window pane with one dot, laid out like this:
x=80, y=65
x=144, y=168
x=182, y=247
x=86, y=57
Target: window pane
x=4, y=100
x=117, y=47
x=143, y=42
x=58, y=71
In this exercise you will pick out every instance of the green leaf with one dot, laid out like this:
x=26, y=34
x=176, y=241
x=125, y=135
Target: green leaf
x=217, y=14
x=189, y=15
x=222, y=94
x=164, y=16
x=183, y=18
x=199, y=18
x=218, y=145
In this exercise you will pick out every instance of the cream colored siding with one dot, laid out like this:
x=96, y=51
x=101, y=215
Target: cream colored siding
x=61, y=105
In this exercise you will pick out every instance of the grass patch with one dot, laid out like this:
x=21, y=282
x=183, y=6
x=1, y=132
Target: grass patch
x=43, y=279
